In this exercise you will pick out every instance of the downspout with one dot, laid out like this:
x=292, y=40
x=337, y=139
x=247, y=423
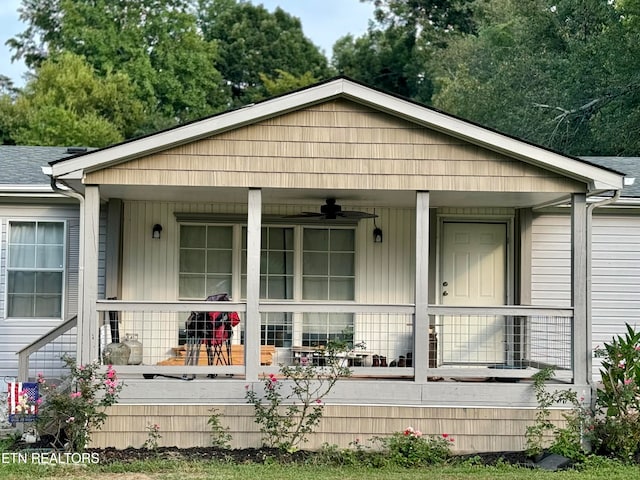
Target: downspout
x=73, y=194
x=590, y=208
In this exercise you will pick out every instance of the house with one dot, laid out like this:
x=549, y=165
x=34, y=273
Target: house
x=39, y=240
x=455, y=260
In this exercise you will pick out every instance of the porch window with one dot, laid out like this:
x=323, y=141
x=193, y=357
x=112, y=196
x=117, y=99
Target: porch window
x=328, y=273
x=206, y=260
x=276, y=281
x=35, y=269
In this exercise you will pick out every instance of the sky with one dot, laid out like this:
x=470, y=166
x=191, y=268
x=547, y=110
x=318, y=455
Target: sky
x=323, y=22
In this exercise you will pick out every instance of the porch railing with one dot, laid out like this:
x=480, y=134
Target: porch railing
x=503, y=342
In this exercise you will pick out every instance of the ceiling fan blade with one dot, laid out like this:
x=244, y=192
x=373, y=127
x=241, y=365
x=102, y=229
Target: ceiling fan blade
x=356, y=214
x=305, y=215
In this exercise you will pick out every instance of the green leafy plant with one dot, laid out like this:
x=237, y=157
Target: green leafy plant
x=220, y=436
x=290, y=408
x=153, y=437
x=618, y=402
x=71, y=410
x=567, y=440
x=410, y=448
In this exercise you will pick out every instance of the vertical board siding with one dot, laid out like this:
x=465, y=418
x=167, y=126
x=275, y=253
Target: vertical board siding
x=16, y=334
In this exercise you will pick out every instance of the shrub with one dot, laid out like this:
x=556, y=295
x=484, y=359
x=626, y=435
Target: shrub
x=71, y=410
x=411, y=448
x=618, y=424
x=220, y=436
x=286, y=419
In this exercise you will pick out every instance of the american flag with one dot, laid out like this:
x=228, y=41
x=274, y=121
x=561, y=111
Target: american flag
x=17, y=391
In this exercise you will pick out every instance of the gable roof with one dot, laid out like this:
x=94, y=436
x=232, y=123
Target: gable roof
x=630, y=166
x=596, y=178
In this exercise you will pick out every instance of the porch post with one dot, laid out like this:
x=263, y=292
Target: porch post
x=87, y=339
x=579, y=279
x=252, y=320
x=421, y=317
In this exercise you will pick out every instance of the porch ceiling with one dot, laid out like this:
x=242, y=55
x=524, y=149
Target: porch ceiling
x=362, y=198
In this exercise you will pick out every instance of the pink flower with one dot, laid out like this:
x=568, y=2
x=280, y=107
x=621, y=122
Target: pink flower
x=445, y=435
x=408, y=431
x=451, y=439
x=628, y=381
x=70, y=419
x=75, y=395
x=318, y=401
x=417, y=434
x=246, y=387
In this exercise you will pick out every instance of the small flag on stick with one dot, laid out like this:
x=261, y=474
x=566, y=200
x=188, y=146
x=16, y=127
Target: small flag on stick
x=23, y=401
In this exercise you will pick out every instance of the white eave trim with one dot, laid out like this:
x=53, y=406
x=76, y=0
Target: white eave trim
x=596, y=178
x=25, y=188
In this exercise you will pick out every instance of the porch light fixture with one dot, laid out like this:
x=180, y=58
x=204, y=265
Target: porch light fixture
x=377, y=232
x=157, y=228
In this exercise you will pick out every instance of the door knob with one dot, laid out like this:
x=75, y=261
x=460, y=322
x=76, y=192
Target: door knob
x=445, y=284
x=445, y=293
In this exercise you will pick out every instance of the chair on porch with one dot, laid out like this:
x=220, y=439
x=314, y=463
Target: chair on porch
x=215, y=330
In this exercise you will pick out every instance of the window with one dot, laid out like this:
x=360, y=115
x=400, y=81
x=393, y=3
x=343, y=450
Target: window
x=35, y=269
x=328, y=273
x=206, y=261
x=296, y=263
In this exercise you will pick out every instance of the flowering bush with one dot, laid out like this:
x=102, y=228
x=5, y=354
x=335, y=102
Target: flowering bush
x=411, y=448
x=287, y=427
x=618, y=425
x=153, y=437
x=73, y=408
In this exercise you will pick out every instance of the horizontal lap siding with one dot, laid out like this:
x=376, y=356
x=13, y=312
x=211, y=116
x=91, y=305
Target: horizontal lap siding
x=473, y=429
x=551, y=261
x=615, y=275
x=17, y=334
x=362, y=149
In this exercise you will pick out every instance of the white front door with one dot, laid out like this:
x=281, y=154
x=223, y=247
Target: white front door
x=473, y=273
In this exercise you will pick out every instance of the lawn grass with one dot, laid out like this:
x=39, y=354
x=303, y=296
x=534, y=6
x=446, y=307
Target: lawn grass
x=197, y=470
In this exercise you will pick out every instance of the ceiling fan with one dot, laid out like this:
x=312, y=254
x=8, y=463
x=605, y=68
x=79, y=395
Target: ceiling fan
x=332, y=211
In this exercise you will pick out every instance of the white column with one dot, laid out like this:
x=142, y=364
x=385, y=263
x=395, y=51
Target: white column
x=87, y=329
x=252, y=327
x=579, y=279
x=421, y=318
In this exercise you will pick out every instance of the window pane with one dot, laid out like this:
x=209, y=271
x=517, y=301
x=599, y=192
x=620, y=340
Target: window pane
x=192, y=236
x=342, y=264
x=279, y=288
x=341, y=289
x=22, y=256
x=219, y=261
x=22, y=232
x=49, y=282
x=192, y=286
x=49, y=256
x=278, y=262
x=315, y=288
x=192, y=261
x=19, y=306
x=315, y=264
x=280, y=238
x=342, y=240
x=316, y=239
x=219, y=237
x=51, y=233
x=22, y=282
x=218, y=284
x=48, y=306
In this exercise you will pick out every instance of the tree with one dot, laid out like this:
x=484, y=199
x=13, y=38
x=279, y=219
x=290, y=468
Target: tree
x=66, y=103
x=563, y=74
x=155, y=42
x=253, y=42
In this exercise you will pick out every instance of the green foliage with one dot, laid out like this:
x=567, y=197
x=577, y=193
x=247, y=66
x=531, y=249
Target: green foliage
x=411, y=448
x=253, y=43
x=618, y=429
x=285, y=82
x=286, y=418
x=568, y=440
x=153, y=437
x=220, y=436
x=66, y=103
x=73, y=409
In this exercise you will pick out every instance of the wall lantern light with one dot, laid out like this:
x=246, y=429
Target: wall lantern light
x=157, y=228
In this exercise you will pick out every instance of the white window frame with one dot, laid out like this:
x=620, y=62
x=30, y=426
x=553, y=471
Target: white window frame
x=63, y=269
